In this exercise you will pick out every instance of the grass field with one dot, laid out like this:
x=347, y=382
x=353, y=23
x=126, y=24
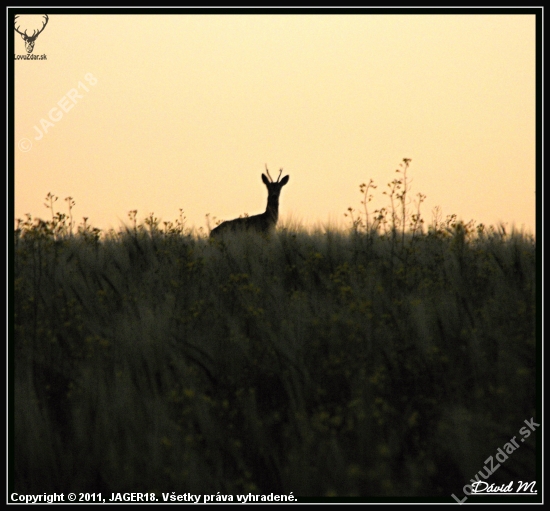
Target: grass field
x=380, y=361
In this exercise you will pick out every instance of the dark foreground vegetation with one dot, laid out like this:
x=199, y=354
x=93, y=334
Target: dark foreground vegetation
x=379, y=362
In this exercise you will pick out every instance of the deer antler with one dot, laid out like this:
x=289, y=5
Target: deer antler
x=268, y=174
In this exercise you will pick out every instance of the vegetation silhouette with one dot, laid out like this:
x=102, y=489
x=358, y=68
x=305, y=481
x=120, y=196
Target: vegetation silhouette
x=391, y=359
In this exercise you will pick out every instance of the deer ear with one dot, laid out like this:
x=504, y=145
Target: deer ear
x=264, y=179
x=284, y=181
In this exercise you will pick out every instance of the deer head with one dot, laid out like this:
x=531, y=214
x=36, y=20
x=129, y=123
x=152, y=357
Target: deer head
x=273, y=187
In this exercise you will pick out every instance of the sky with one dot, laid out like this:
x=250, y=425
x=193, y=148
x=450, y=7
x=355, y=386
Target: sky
x=160, y=112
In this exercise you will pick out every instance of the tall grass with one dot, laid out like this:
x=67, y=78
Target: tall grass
x=371, y=362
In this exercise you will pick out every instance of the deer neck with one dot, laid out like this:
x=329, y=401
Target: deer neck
x=272, y=210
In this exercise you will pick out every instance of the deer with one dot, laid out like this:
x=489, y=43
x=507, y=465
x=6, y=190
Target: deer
x=264, y=222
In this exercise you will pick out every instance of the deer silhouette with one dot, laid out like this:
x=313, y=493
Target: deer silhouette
x=264, y=222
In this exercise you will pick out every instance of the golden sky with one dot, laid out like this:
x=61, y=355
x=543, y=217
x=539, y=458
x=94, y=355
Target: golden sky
x=162, y=112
